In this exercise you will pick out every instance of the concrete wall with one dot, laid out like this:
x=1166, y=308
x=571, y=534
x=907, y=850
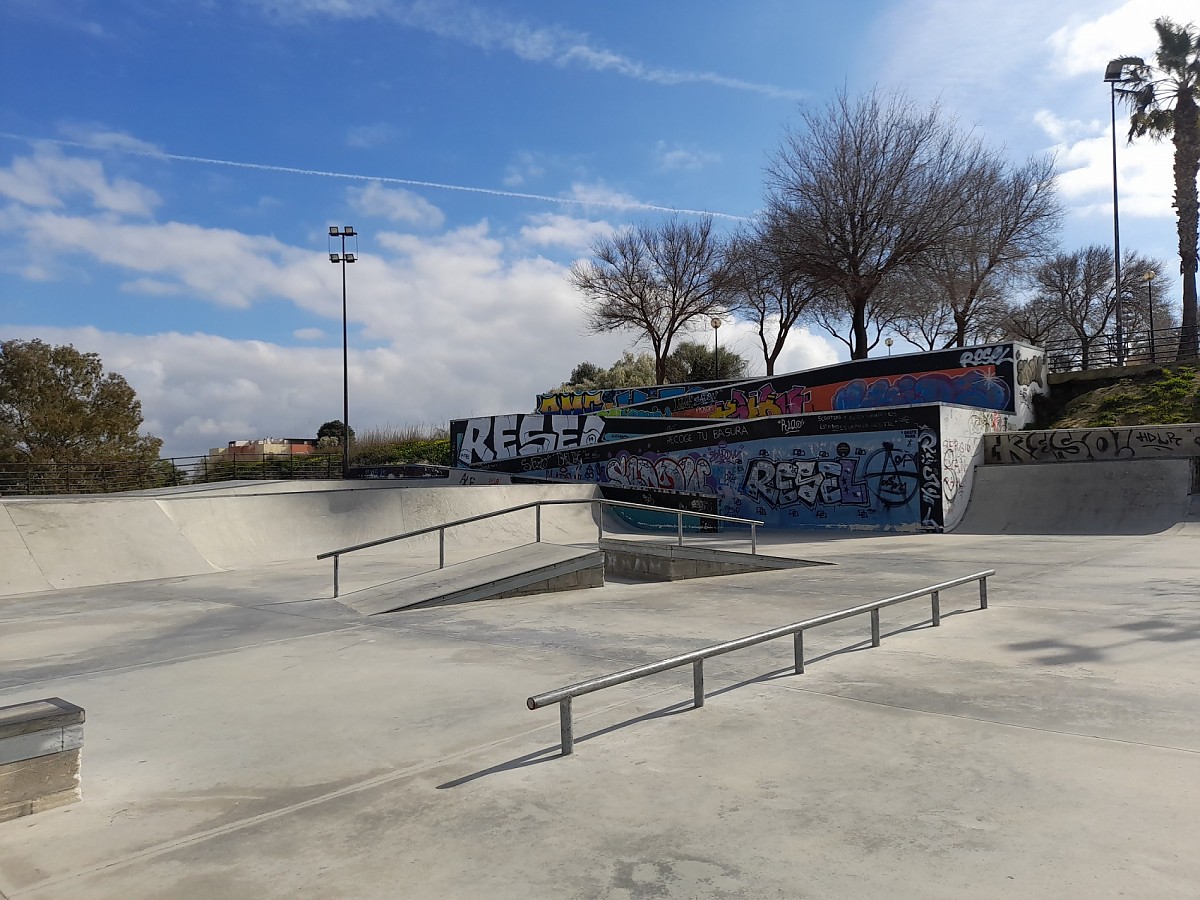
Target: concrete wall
x=871, y=469
x=985, y=377
x=1093, y=444
x=962, y=447
x=485, y=439
x=117, y=538
x=575, y=403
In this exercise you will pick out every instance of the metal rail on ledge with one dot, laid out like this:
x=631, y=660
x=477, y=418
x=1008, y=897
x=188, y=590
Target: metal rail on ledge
x=537, y=506
x=563, y=696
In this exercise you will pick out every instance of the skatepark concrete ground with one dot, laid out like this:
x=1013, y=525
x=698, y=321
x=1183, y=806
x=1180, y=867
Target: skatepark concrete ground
x=248, y=736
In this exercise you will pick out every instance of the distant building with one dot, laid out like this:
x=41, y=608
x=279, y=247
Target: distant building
x=265, y=447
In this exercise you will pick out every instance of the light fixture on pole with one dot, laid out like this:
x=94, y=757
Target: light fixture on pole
x=1114, y=74
x=889, y=343
x=1149, y=277
x=716, y=323
x=343, y=258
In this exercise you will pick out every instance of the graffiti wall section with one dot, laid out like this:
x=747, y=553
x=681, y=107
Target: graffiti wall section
x=963, y=433
x=578, y=403
x=1084, y=444
x=487, y=439
x=985, y=377
x=875, y=469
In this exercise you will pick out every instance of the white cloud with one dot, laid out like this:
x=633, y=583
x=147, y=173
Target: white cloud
x=103, y=138
x=602, y=196
x=1084, y=154
x=558, y=230
x=1084, y=45
x=219, y=265
x=679, y=158
x=479, y=27
x=527, y=166
x=395, y=204
x=150, y=286
x=308, y=334
x=49, y=179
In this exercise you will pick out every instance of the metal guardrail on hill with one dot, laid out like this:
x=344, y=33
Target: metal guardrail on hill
x=1164, y=346
x=26, y=479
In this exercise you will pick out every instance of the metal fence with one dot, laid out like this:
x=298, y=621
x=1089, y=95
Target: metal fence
x=1165, y=346
x=25, y=479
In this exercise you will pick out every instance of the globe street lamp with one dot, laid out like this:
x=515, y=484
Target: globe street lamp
x=716, y=323
x=1114, y=74
x=1149, y=277
x=344, y=258
x=889, y=343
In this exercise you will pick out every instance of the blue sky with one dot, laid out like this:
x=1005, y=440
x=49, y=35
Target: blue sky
x=169, y=170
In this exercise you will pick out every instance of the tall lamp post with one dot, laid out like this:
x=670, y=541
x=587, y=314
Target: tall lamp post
x=1114, y=74
x=1149, y=277
x=343, y=258
x=716, y=323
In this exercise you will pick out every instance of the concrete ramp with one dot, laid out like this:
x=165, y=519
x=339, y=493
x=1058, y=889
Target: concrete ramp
x=659, y=561
x=19, y=571
x=531, y=569
x=1127, y=497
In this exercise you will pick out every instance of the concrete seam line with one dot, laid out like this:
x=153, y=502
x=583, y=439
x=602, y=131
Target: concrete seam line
x=378, y=781
x=175, y=659
x=1017, y=725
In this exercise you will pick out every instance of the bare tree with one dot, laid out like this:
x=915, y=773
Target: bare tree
x=870, y=187
x=880, y=314
x=654, y=279
x=1080, y=287
x=1035, y=320
x=1016, y=215
x=768, y=291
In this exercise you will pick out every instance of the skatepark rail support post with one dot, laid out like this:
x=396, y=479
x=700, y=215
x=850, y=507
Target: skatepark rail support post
x=563, y=696
x=537, y=505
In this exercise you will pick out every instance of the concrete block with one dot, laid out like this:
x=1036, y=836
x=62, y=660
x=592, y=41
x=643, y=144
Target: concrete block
x=31, y=779
x=40, y=747
x=40, y=743
x=41, y=804
x=38, y=715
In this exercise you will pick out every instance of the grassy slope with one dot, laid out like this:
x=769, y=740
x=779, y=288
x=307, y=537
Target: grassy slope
x=1159, y=397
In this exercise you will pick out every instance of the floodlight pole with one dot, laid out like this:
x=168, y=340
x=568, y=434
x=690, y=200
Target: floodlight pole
x=1114, y=74
x=716, y=323
x=343, y=258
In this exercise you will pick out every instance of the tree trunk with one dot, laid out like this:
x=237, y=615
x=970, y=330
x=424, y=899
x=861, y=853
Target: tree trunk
x=858, y=334
x=1187, y=163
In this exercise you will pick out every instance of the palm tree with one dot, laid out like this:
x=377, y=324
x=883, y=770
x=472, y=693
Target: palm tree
x=1162, y=100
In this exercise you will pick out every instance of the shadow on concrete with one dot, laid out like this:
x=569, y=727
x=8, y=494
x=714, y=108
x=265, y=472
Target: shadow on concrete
x=1063, y=651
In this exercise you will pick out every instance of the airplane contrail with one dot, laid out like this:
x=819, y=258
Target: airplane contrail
x=385, y=179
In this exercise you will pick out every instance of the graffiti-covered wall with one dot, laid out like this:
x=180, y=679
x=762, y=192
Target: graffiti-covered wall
x=872, y=469
x=986, y=377
x=487, y=439
x=578, y=403
x=1084, y=444
x=963, y=433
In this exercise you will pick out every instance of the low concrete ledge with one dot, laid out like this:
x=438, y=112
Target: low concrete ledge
x=40, y=746
x=656, y=561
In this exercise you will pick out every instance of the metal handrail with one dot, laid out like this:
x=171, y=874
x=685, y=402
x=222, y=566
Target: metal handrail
x=537, y=506
x=563, y=696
